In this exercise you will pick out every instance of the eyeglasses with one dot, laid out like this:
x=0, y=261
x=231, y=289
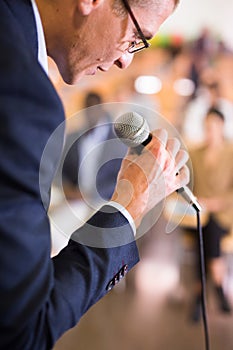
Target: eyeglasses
x=143, y=43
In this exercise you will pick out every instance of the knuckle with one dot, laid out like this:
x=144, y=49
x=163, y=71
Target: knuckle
x=176, y=142
x=160, y=134
x=183, y=155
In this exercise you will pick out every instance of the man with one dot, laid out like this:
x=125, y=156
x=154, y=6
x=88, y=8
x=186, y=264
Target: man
x=42, y=298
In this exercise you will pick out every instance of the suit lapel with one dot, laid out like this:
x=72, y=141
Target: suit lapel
x=22, y=10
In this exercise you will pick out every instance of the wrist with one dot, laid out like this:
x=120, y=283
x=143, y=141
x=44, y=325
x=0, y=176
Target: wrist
x=125, y=213
x=135, y=211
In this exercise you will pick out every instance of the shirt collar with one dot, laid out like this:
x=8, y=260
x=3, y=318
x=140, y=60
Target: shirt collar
x=42, y=52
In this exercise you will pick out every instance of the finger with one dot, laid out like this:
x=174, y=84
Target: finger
x=161, y=135
x=131, y=154
x=183, y=177
x=157, y=146
x=128, y=159
x=173, y=146
x=158, y=141
x=181, y=159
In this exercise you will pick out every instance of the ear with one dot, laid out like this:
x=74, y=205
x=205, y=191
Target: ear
x=87, y=6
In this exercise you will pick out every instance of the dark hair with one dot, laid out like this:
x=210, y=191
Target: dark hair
x=92, y=99
x=217, y=112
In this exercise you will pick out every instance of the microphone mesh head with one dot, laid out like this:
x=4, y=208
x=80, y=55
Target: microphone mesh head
x=132, y=129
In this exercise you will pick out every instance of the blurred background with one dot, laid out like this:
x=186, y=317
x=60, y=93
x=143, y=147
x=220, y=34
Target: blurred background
x=187, y=71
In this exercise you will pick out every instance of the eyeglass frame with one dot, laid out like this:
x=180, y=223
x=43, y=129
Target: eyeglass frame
x=131, y=48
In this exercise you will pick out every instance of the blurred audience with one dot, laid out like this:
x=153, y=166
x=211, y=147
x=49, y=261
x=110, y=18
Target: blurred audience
x=92, y=155
x=208, y=95
x=213, y=186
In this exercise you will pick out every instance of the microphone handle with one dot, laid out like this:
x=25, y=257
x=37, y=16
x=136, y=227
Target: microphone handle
x=147, y=140
x=187, y=194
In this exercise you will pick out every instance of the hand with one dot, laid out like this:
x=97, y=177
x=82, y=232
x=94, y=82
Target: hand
x=145, y=179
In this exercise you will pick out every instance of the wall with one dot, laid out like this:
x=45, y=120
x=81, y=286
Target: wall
x=192, y=15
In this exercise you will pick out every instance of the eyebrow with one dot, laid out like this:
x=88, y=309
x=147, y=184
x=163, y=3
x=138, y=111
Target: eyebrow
x=146, y=33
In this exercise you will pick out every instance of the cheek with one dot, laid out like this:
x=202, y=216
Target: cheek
x=109, y=50
x=81, y=56
x=114, y=42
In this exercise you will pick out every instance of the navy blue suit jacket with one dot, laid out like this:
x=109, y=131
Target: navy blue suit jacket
x=40, y=297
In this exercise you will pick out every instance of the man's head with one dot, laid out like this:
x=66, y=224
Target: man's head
x=83, y=36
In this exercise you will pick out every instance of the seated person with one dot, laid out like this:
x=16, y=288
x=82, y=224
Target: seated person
x=94, y=155
x=213, y=186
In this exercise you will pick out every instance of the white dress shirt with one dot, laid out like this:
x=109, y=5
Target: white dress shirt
x=42, y=52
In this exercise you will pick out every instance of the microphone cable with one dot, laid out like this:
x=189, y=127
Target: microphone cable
x=203, y=281
x=186, y=193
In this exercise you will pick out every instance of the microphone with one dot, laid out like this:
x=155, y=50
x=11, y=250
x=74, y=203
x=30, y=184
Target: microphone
x=133, y=130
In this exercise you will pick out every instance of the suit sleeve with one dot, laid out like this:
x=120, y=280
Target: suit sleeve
x=98, y=255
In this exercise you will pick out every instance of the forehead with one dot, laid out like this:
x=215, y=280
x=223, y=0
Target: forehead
x=151, y=17
x=213, y=118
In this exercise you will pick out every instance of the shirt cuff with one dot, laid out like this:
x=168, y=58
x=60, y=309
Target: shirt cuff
x=125, y=213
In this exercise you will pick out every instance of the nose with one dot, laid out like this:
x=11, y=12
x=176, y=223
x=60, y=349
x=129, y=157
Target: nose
x=124, y=60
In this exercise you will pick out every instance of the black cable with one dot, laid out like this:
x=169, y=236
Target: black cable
x=203, y=281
